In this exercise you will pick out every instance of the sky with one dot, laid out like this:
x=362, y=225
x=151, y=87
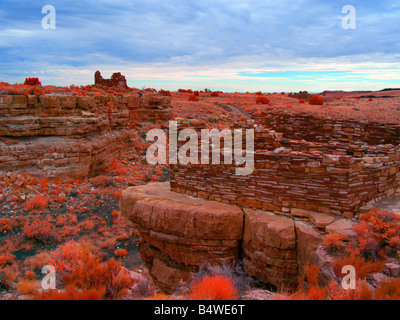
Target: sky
x=227, y=45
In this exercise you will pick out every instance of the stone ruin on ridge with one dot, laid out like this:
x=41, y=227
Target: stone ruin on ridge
x=117, y=81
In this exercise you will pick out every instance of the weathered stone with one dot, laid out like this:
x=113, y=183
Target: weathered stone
x=392, y=269
x=308, y=241
x=321, y=220
x=61, y=136
x=269, y=246
x=342, y=226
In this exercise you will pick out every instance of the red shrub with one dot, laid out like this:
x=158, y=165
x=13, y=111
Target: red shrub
x=6, y=258
x=302, y=101
x=193, y=97
x=102, y=181
x=99, y=275
x=7, y=224
x=214, y=94
x=38, y=203
x=262, y=100
x=39, y=230
x=334, y=242
x=378, y=230
x=71, y=293
x=361, y=292
x=389, y=290
x=316, y=100
x=26, y=287
x=165, y=93
x=32, y=82
x=68, y=257
x=363, y=267
x=217, y=287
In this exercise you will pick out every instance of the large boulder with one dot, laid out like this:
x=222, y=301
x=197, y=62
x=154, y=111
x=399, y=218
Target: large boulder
x=269, y=248
x=181, y=232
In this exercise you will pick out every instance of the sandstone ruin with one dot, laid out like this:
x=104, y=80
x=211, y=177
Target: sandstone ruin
x=117, y=81
x=273, y=220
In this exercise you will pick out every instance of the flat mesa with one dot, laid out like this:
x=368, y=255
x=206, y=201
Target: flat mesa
x=171, y=310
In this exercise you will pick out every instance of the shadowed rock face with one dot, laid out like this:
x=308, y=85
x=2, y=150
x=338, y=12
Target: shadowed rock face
x=117, y=81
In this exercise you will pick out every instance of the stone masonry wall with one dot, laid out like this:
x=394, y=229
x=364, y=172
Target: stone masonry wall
x=291, y=175
x=319, y=129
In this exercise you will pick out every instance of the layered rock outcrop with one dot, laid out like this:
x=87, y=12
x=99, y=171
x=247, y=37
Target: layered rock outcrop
x=179, y=233
x=71, y=136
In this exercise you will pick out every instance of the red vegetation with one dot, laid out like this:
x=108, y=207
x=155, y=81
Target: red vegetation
x=217, y=287
x=68, y=257
x=41, y=230
x=389, y=290
x=6, y=258
x=262, y=100
x=193, y=97
x=71, y=293
x=362, y=266
x=38, y=203
x=316, y=101
x=108, y=277
x=32, y=82
x=334, y=242
x=165, y=93
x=378, y=233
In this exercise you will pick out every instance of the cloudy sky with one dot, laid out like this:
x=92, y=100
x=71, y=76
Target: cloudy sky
x=229, y=45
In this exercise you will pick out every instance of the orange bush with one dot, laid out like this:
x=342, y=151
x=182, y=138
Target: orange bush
x=363, y=267
x=7, y=224
x=32, y=82
x=377, y=230
x=98, y=275
x=262, y=100
x=316, y=100
x=6, y=258
x=38, y=203
x=193, y=97
x=39, y=230
x=361, y=292
x=68, y=257
x=389, y=290
x=334, y=242
x=217, y=287
x=26, y=287
x=102, y=181
x=71, y=293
